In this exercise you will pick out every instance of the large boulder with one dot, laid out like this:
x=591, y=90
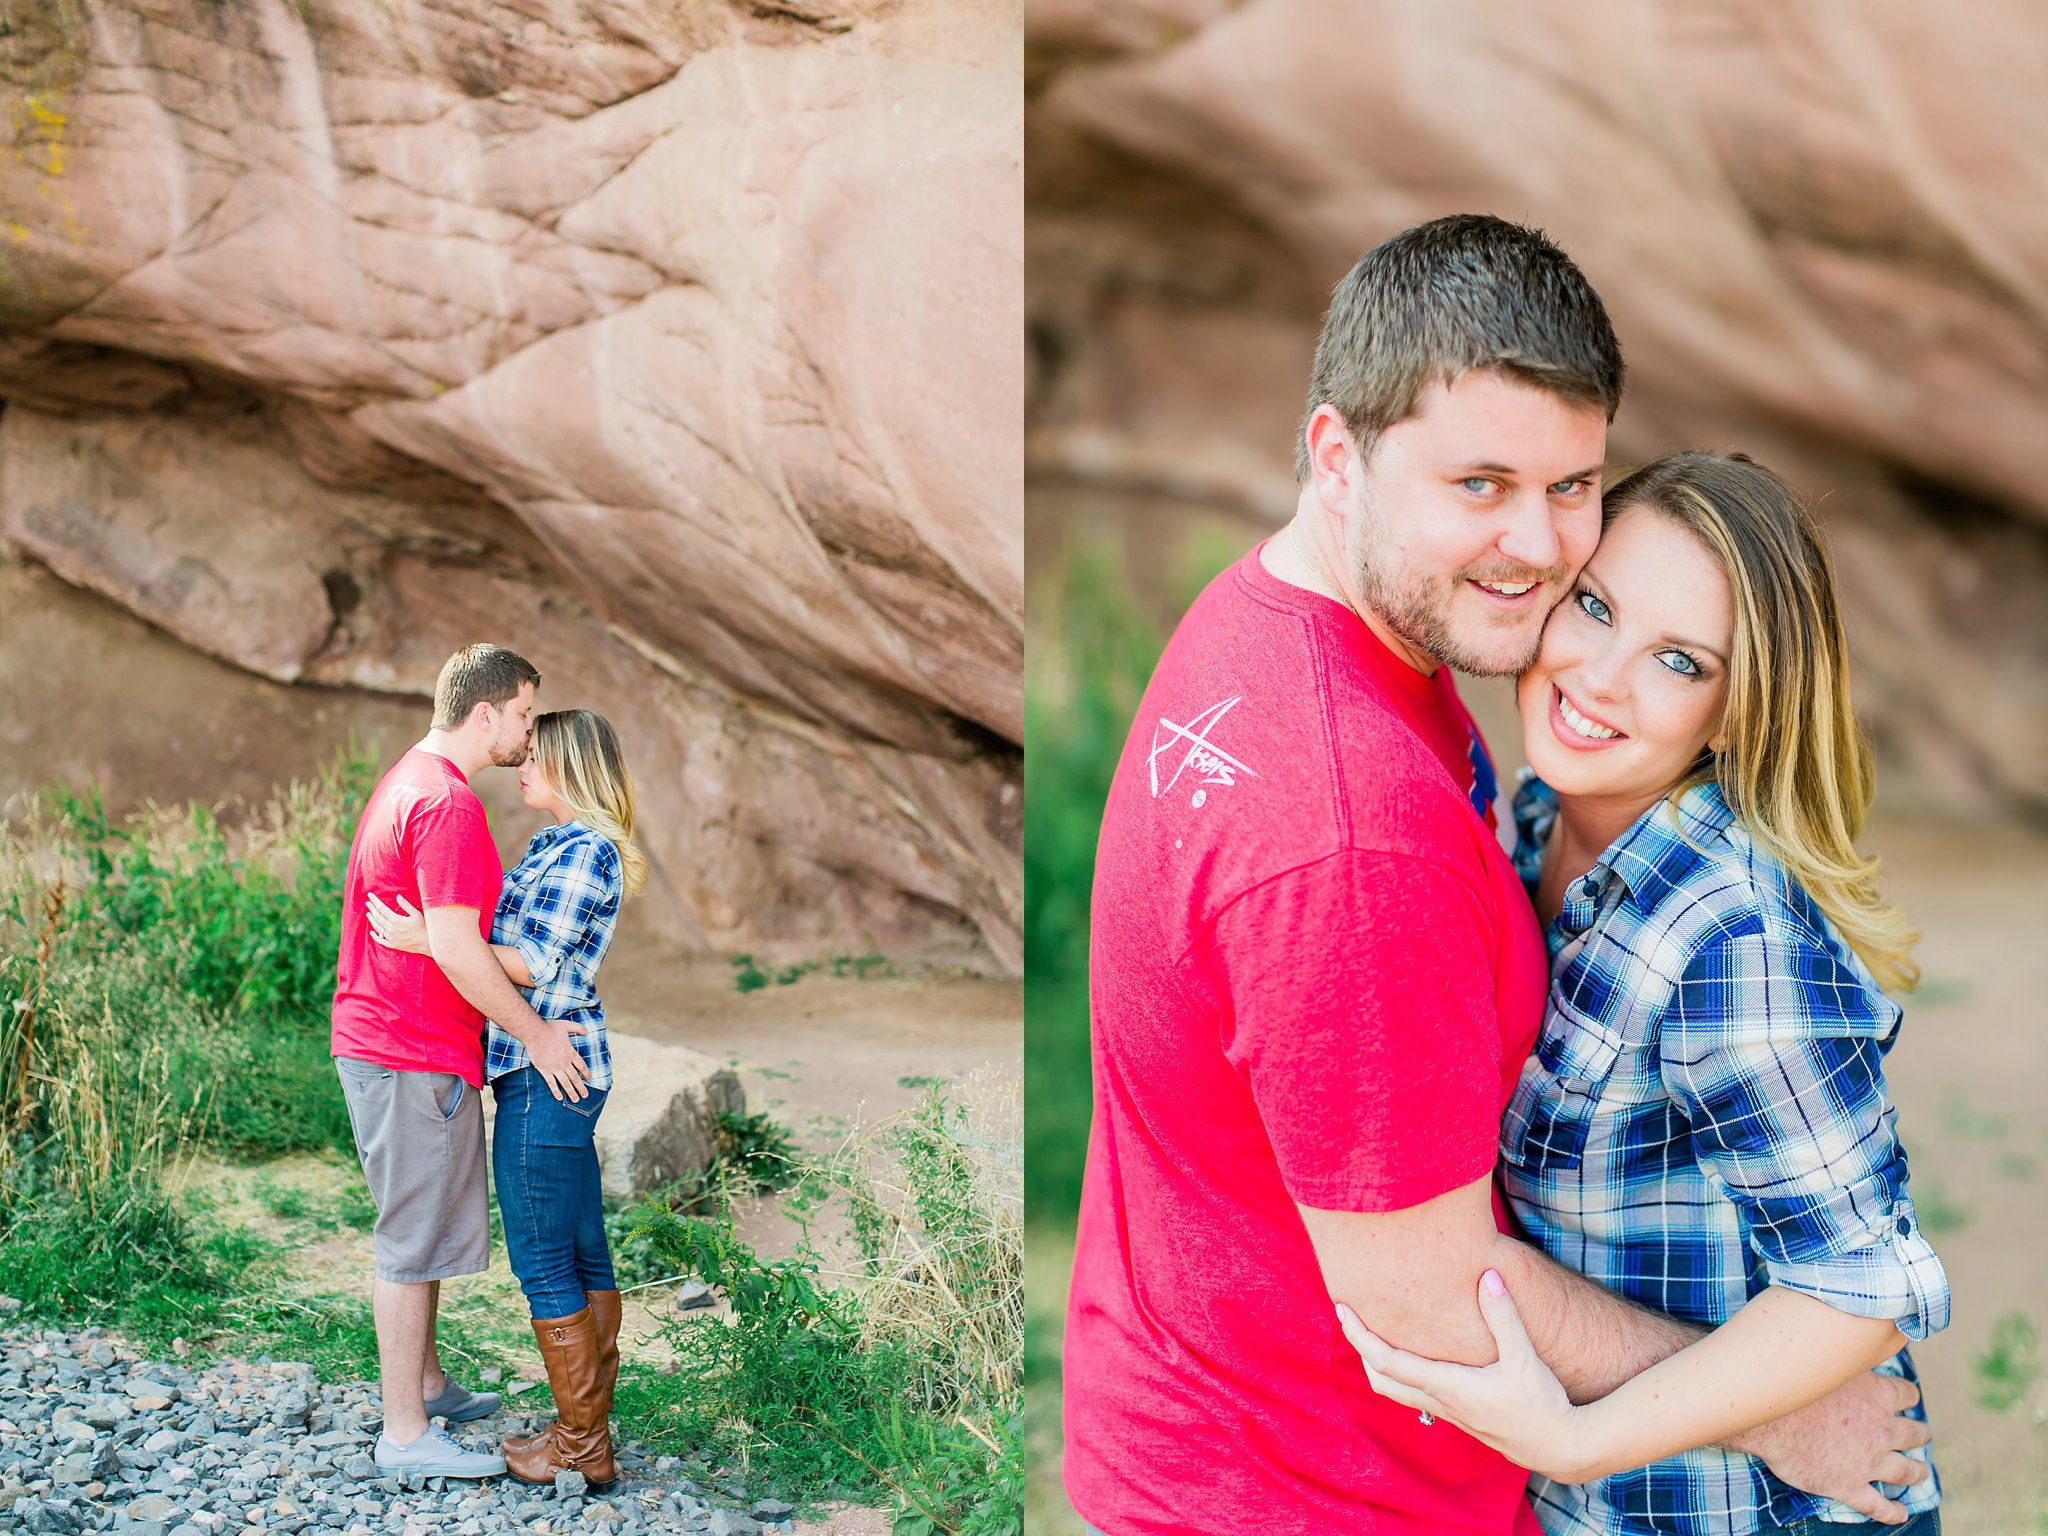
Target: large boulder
x=679, y=346
x=1820, y=230
x=661, y=1121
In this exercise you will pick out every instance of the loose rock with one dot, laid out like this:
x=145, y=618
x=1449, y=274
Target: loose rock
x=93, y=1442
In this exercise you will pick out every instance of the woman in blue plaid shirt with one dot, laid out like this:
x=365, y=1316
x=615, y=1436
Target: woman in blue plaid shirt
x=1704, y=1126
x=554, y=920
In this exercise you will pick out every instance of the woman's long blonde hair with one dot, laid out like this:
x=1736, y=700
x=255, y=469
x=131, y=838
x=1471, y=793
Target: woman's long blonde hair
x=577, y=752
x=1794, y=766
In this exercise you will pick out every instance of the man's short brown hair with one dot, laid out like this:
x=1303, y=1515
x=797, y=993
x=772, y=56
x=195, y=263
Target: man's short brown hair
x=479, y=674
x=1445, y=298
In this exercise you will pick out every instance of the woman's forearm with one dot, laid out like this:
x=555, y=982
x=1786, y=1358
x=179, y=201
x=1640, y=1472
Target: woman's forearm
x=1782, y=1351
x=514, y=964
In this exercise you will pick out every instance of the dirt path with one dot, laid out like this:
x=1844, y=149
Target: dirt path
x=822, y=1052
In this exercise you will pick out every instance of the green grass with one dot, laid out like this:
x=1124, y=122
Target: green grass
x=753, y=1155
x=335, y=1333
x=129, y=1255
x=313, y=1213
x=162, y=988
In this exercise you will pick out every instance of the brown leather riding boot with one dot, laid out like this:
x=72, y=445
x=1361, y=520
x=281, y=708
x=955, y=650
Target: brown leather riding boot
x=581, y=1439
x=605, y=1310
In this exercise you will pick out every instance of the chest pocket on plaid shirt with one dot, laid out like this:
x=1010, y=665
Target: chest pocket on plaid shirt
x=1551, y=1113
x=519, y=882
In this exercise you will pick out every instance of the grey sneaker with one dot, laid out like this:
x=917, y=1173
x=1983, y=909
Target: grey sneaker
x=435, y=1454
x=458, y=1405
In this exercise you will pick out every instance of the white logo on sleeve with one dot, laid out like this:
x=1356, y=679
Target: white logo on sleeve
x=1211, y=763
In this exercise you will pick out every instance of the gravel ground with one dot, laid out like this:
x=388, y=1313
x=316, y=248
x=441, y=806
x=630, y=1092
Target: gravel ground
x=94, y=1438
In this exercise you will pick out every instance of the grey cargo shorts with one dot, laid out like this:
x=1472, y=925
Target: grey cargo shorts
x=420, y=1136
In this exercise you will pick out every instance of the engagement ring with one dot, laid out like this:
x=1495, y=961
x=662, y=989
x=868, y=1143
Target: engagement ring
x=1427, y=1417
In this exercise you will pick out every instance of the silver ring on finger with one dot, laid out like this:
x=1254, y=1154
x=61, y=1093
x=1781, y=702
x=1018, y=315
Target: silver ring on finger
x=1426, y=1417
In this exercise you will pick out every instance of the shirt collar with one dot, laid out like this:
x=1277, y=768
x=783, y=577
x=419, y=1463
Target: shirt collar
x=554, y=832
x=1658, y=852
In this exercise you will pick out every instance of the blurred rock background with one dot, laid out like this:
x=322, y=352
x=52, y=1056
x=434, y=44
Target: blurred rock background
x=1822, y=232
x=675, y=345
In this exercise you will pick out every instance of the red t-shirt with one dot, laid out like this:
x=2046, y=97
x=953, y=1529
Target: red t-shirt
x=423, y=836
x=1314, y=978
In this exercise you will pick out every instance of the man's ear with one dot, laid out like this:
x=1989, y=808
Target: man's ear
x=1332, y=458
x=480, y=715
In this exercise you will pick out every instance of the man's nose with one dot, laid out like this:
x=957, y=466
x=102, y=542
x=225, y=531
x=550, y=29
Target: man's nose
x=1530, y=537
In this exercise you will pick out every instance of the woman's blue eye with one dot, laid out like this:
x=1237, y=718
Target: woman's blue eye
x=1679, y=662
x=1594, y=608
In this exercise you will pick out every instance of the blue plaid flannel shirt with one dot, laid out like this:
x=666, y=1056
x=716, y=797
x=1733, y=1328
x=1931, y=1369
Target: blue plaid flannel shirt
x=558, y=907
x=1705, y=1115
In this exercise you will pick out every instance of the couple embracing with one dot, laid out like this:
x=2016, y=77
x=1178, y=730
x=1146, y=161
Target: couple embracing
x=1418, y=1167
x=453, y=973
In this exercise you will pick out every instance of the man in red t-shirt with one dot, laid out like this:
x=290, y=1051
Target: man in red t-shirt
x=1314, y=976
x=408, y=1041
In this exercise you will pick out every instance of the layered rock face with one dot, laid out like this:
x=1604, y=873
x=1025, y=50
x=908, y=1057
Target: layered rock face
x=1822, y=233
x=677, y=346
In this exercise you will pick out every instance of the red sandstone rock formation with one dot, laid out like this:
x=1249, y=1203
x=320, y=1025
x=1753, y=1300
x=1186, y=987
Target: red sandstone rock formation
x=676, y=345
x=1822, y=232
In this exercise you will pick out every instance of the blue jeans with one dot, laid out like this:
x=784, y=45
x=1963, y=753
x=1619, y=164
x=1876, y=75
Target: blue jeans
x=1928, y=1524
x=544, y=1158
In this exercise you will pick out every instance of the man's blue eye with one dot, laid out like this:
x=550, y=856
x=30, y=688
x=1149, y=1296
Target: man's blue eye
x=1567, y=487
x=1594, y=608
x=1476, y=485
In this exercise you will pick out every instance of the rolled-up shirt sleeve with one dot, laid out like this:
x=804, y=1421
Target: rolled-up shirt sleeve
x=1773, y=1049
x=567, y=898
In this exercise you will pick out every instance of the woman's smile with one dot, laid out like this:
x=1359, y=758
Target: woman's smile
x=1578, y=728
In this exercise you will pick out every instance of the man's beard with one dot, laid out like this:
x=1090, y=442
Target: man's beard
x=509, y=757
x=1418, y=608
